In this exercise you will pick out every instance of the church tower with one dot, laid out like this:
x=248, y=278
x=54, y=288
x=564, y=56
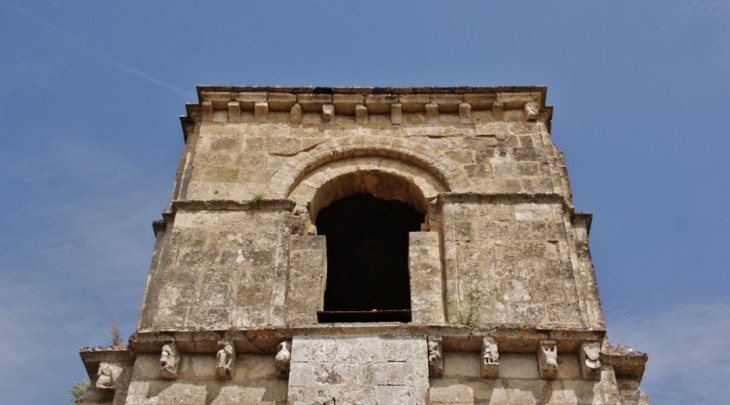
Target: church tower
x=352, y=245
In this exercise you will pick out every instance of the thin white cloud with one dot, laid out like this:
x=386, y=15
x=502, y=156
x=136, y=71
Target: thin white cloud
x=689, y=351
x=82, y=264
x=680, y=16
x=27, y=71
x=103, y=56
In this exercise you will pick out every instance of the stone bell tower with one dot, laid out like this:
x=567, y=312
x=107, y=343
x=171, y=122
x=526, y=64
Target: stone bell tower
x=354, y=245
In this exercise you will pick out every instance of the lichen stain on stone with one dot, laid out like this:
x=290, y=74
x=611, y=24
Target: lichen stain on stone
x=327, y=375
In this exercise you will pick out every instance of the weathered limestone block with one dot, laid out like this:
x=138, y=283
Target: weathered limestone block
x=547, y=356
x=380, y=103
x=414, y=102
x=169, y=361
x=590, y=360
x=225, y=361
x=249, y=99
x=435, y=357
x=362, y=369
x=281, y=101
x=424, y=267
x=347, y=103
x=490, y=358
x=283, y=360
x=313, y=102
x=448, y=103
x=305, y=290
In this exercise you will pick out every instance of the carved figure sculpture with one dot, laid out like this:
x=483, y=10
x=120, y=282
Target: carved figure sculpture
x=590, y=360
x=328, y=112
x=491, y=354
x=169, y=361
x=490, y=358
x=282, y=360
x=547, y=354
x=531, y=111
x=105, y=376
x=435, y=357
x=224, y=365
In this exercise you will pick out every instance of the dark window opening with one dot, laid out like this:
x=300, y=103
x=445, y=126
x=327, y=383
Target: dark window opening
x=367, y=259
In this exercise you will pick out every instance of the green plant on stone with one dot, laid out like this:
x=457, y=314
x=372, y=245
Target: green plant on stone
x=470, y=315
x=257, y=198
x=115, y=335
x=79, y=389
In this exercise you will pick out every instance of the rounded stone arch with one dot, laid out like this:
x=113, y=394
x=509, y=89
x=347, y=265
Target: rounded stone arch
x=288, y=177
x=383, y=178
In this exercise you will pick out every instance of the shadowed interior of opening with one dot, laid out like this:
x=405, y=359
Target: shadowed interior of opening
x=367, y=259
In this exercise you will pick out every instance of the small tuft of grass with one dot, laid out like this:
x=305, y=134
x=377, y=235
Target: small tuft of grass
x=79, y=389
x=115, y=335
x=257, y=198
x=469, y=316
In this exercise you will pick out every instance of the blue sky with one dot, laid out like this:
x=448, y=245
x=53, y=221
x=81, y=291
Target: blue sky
x=90, y=94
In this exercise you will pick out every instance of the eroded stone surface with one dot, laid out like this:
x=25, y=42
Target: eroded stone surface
x=359, y=369
x=239, y=273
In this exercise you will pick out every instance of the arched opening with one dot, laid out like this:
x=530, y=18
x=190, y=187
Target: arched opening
x=367, y=258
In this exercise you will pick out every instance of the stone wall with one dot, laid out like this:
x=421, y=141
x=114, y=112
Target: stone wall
x=503, y=221
x=510, y=258
x=366, y=370
x=254, y=383
x=221, y=269
x=519, y=383
x=307, y=279
x=237, y=161
x=424, y=268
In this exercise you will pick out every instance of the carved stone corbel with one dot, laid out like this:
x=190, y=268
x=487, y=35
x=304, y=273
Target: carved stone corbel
x=498, y=110
x=432, y=112
x=107, y=375
x=531, y=111
x=590, y=360
x=328, y=113
x=225, y=365
x=169, y=361
x=396, y=113
x=465, y=113
x=295, y=114
x=361, y=114
x=435, y=357
x=490, y=358
x=282, y=361
x=547, y=359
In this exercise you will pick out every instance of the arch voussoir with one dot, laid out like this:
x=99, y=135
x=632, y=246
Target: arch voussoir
x=287, y=177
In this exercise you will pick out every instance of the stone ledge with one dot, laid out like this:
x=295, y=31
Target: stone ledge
x=511, y=338
x=279, y=204
x=371, y=90
x=92, y=356
x=512, y=198
x=626, y=362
